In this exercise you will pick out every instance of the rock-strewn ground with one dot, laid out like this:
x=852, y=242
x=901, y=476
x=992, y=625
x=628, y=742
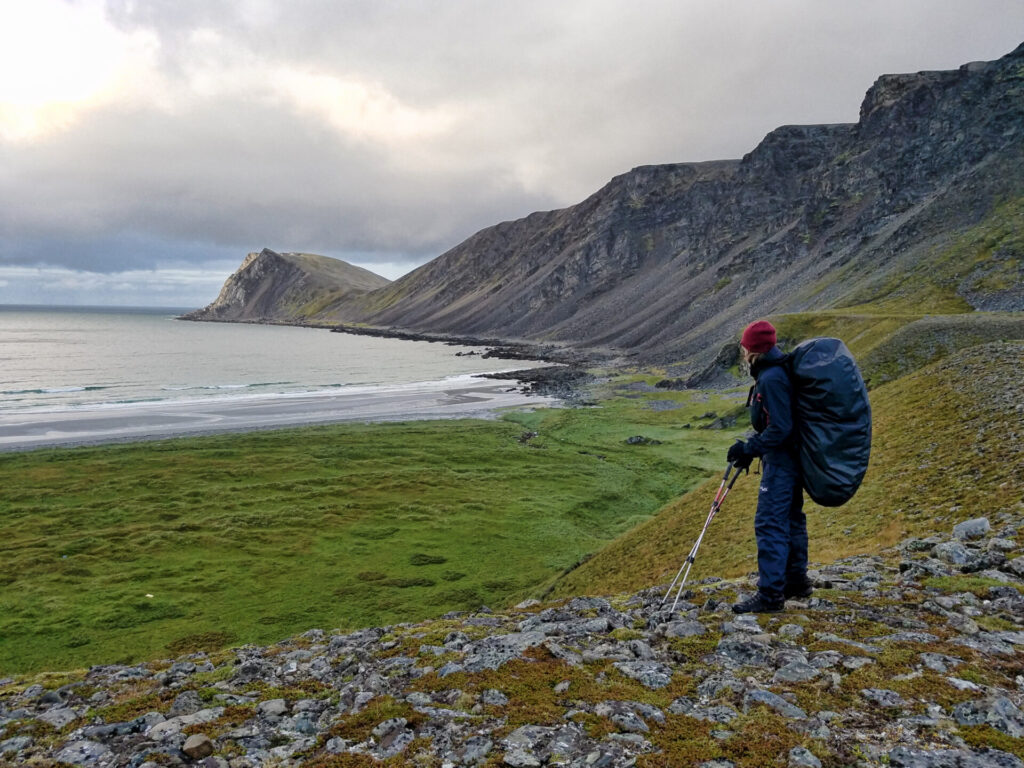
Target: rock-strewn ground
x=910, y=658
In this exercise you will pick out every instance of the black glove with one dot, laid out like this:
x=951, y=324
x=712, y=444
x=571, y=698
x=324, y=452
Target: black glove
x=738, y=455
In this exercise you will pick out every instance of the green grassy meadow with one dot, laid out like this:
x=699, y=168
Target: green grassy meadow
x=136, y=551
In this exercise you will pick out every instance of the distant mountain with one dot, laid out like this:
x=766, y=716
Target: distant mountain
x=918, y=208
x=288, y=287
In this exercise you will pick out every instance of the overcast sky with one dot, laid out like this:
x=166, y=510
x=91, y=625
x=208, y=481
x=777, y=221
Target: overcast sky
x=147, y=145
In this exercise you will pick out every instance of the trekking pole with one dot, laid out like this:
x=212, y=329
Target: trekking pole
x=723, y=491
x=718, y=494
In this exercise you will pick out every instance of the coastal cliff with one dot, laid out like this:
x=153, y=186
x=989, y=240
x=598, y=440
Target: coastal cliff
x=287, y=287
x=915, y=209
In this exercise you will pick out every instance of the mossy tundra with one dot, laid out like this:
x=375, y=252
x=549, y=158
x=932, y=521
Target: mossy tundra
x=127, y=552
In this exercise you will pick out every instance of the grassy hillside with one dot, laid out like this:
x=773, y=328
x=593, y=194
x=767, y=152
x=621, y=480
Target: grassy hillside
x=329, y=283
x=135, y=551
x=977, y=268
x=888, y=346
x=948, y=445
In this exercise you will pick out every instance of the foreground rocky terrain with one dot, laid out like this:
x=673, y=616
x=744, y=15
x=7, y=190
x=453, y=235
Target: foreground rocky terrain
x=909, y=658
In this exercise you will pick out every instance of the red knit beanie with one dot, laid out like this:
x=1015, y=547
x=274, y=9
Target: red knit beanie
x=758, y=337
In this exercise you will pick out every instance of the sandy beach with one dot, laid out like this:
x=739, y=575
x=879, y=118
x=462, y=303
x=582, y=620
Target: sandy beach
x=154, y=421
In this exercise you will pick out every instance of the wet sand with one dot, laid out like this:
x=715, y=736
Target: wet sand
x=155, y=421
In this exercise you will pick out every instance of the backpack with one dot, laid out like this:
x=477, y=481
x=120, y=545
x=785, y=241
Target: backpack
x=833, y=419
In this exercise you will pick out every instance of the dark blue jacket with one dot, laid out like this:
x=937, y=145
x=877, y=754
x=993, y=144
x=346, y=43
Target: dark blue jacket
x=771, y=412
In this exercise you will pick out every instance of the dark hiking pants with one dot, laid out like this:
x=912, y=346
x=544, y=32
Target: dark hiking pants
x=781, y=529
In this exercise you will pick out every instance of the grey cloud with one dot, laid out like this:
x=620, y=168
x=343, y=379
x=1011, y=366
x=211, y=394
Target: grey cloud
x=553, y=99
x=233, y=174
x=181, y=288
x=114, y=252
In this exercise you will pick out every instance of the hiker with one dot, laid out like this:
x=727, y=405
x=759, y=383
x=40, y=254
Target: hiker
x=779, y=523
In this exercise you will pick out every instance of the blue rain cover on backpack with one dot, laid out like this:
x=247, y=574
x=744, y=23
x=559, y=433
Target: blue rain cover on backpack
x=833, y=418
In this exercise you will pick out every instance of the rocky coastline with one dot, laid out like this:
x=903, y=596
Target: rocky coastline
x=566, y=382
x=503, y=349
x=908, y=658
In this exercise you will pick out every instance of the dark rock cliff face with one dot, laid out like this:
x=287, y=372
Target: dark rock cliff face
x=667, y=262
x=287, y=287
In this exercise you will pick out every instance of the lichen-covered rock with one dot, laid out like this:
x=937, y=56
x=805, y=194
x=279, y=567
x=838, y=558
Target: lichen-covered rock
x=494, y=698
x=198, y=746
x=939, y=662
x=83, y=753
x=883, y=697
x=791, y=631
x=59, y=717
x=682, y=628
x=1016, y=566
x=745, y=651
x=796, y=672
x=801, y=757
x=969, y=530
x=906, y=757
x=649, y=673
x=493, y=652
x=953, y=552
x=997, y=711
x=720, y=713
x=773, y=701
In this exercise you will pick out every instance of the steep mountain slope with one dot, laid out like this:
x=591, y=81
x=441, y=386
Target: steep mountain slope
x=287, y=287
x=913, y=208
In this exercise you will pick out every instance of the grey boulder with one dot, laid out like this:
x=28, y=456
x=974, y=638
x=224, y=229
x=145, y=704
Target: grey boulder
x=83, y=753
x=801, y=757
x=773, y=701
x=905, y=757
x=972, y=529
x=648, y=673
x=997, y=711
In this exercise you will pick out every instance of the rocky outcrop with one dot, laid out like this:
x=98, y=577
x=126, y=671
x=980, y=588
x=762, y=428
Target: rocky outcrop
x=666, y=261
x=287, y=287
x=908, y=658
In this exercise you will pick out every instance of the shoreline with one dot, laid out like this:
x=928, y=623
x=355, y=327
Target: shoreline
x=26, y=430
x=505, y=349
x=486, y=393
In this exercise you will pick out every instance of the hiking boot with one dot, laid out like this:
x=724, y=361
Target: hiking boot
x=758, y=604
x=799, y=591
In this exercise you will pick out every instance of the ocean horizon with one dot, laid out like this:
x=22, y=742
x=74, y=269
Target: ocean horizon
x=55, y=358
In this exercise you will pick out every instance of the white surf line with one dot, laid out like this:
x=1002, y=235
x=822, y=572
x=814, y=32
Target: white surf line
x=151, y=421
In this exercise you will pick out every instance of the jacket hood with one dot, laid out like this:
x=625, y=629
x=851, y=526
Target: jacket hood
x=773, y=356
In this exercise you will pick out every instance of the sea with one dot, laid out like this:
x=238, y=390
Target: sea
x=61, y=358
